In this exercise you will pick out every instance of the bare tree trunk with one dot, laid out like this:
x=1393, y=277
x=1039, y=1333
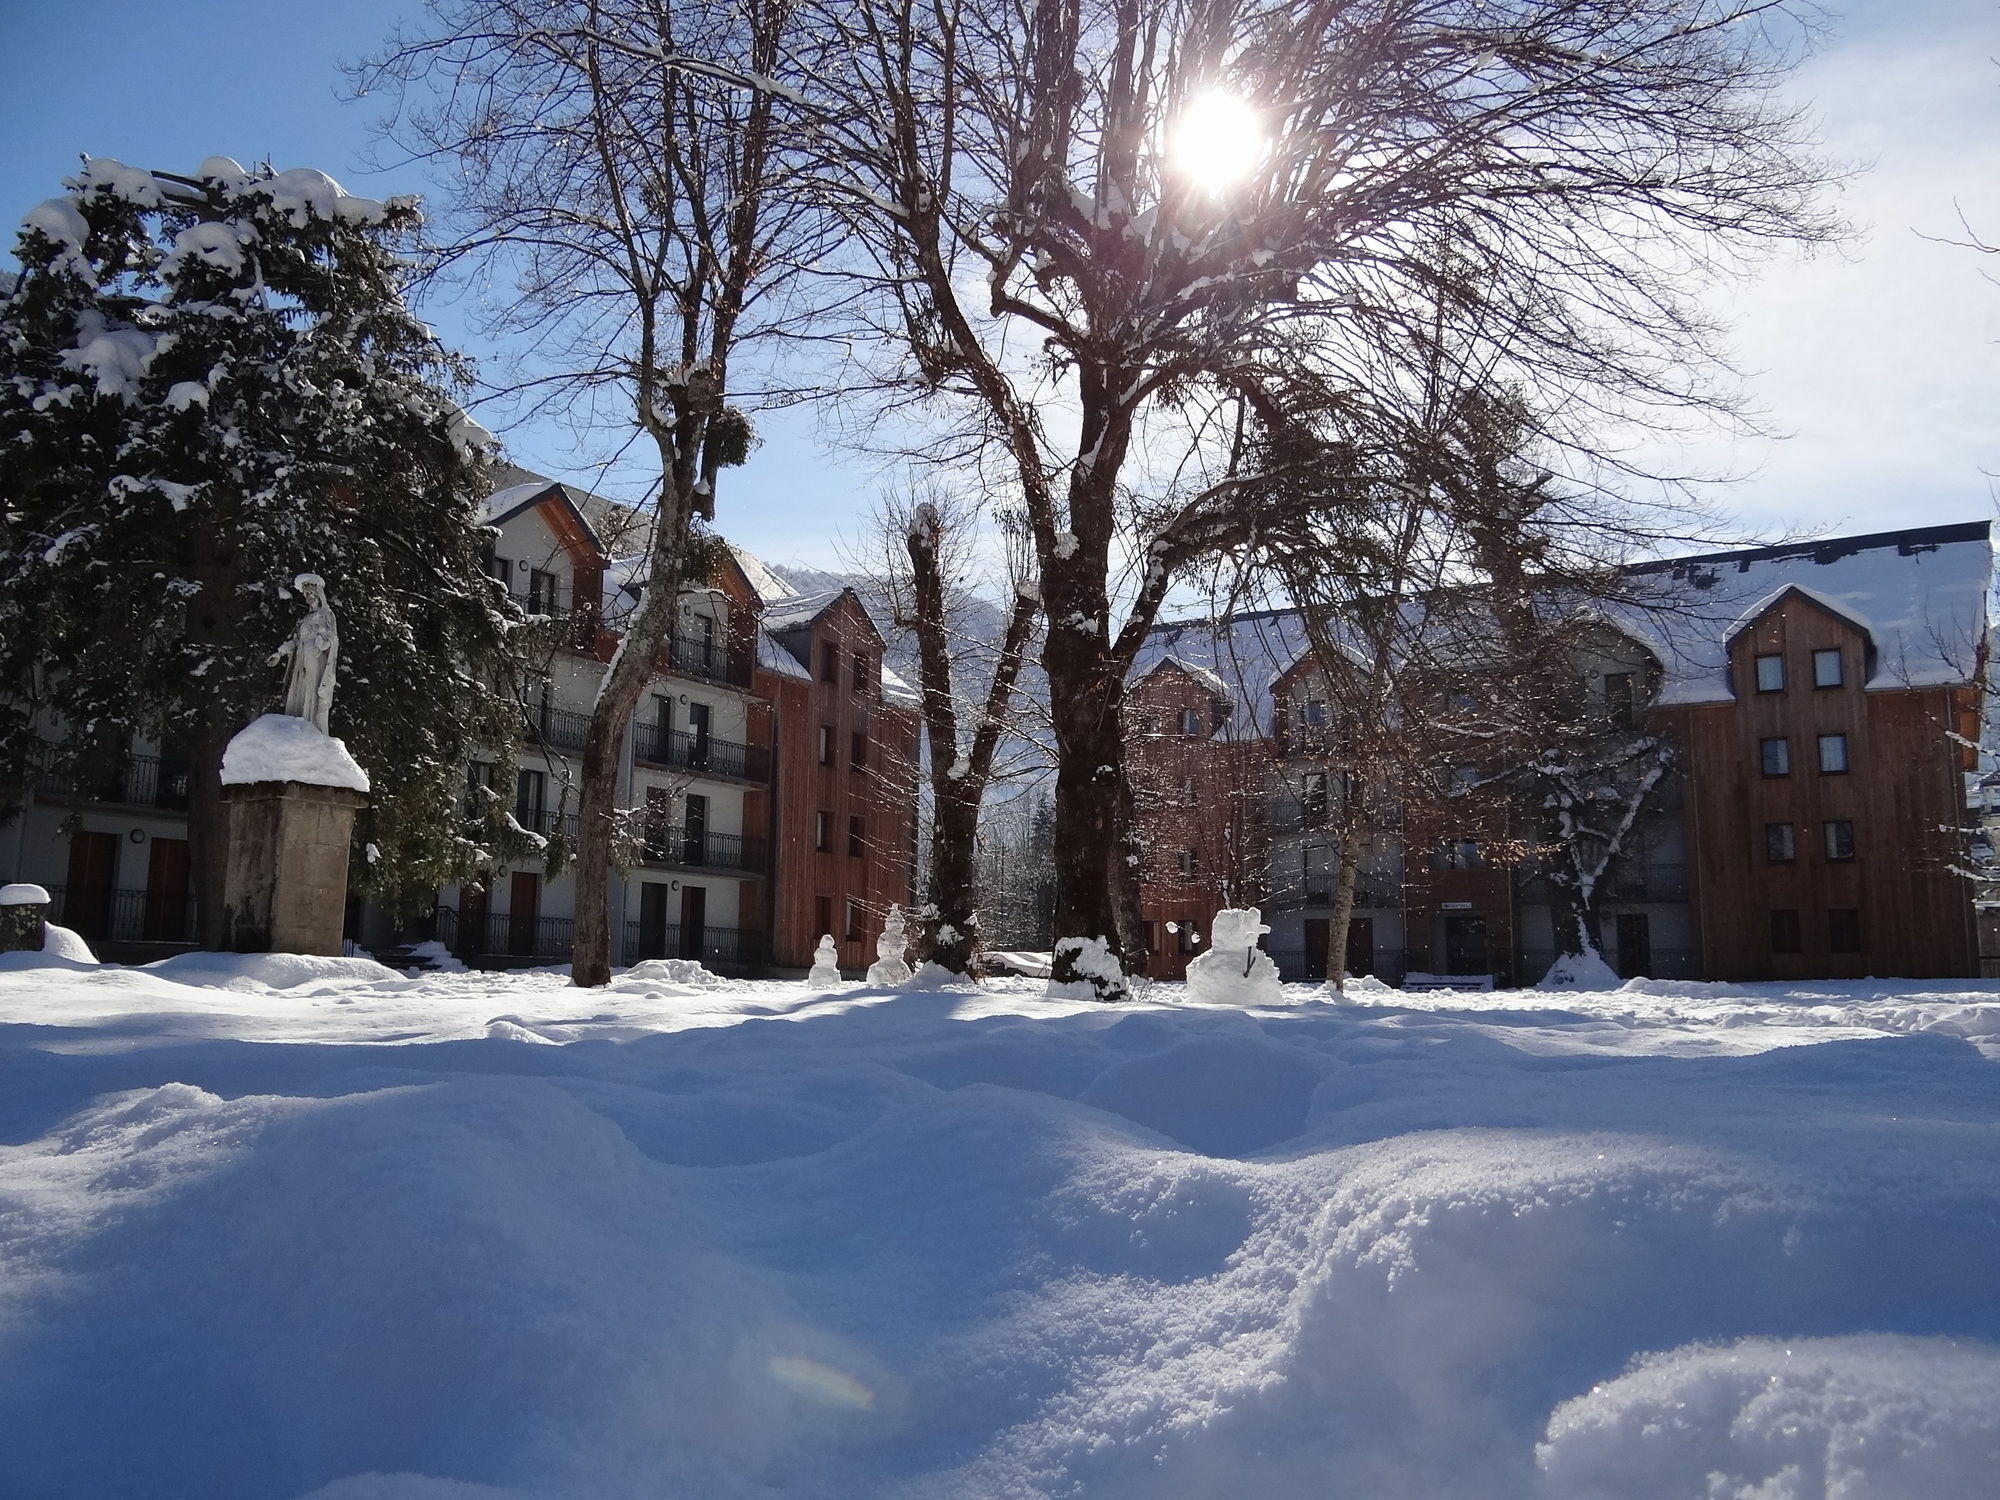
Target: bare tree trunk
x=1126, y=883
x=1346, y=877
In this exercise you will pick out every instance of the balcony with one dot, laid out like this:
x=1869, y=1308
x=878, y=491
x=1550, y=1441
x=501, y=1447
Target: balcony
x=136, y=781
x=669, y=848
x=1371, y=893
x=556, y=728
x=546, y=822
x=503, y=934
x=708, y=659
x=701, y=753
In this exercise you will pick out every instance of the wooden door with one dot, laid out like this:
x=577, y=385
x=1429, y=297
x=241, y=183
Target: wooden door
x=472, y=905
x=1465, y=944
x=524, y=910
x=1635, y=944
x=93, y=872
x=1319, y=936
x=167, y=891
x=1360, y=945
x=653, y=924
x=694, y=920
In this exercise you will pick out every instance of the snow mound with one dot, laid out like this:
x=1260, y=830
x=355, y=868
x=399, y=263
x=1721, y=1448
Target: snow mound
x=682, y=973
x=439, y=957
x=1362, y=989
x=1884, y=1418
x=937, y=977
x=60, y=942
x=1580, y=971
x=257, y=972
x=281, y=747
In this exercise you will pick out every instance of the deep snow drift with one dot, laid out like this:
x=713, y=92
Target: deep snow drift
x=279, y=1227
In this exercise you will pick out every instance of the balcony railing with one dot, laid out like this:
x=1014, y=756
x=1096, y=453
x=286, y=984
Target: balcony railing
x=137, y=781
x=124, y=916
x=700, y=752
x=1630, y=883
x=503, y=934
x=714, y=946
x=669, y=847
x=709, y=659
x=547, y=822
x=1374, y=893
x=557, y=728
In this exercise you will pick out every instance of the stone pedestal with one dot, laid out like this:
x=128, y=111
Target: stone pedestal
x=285, y=881
x=24, y=911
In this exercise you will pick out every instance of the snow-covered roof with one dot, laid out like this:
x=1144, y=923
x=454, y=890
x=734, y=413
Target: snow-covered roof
x=773, y=657
x=1198, y=672
x=800, y=609
x=501, y=504
x=768, y=585
x=1919, y=596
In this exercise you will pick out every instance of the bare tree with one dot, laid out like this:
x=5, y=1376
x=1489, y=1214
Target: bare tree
x=965, y=725
x=645, y=219
x=1118, y=323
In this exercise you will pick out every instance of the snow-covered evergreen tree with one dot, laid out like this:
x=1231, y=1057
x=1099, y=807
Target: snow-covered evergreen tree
x=209, y=384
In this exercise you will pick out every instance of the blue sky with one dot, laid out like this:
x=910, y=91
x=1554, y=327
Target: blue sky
x=1883, y=364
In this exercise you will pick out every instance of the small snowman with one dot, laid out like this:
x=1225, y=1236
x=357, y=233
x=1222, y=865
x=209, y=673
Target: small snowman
x=891, y=965
x=1234, y=970
x=826, y=964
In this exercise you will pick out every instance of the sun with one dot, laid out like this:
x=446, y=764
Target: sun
x=1217, y=141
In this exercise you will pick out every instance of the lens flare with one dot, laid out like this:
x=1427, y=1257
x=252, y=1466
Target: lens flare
x=1217, y=141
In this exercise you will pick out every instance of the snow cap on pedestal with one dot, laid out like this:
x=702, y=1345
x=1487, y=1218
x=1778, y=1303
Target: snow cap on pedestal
x=279, y=747
x=22, y=894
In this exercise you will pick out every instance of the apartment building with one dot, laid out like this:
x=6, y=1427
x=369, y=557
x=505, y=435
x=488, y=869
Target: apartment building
x=772, y=758
x=1823, y=699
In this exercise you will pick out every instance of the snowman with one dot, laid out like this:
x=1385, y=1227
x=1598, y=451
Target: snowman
x=890, y=966
x=826, y=964
x=1233, y=970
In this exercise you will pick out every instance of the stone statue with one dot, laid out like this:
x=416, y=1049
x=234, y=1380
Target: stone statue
x=1234, y=970
x=314, y=650
x=826, y=964
x=891, y=966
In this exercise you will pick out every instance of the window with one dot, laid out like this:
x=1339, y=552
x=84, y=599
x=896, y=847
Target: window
x=1315, y=796
x=823, y=915
x=1619, y=705
x=1315, y=713
x=1770, y=674
x=530, y=796
x=1780, y=847
x=829, y=662
x=1832, y=754
x=826, y=744
x=1190, y=723
x=1827, y=669
x=500, y=568
x=864, y=677
x=857, y=838
x=1190, y=862
x=1152, y=937
x=1457, y=854
x=1843, y=929
x=1184, y=936
x=1784, y=931
x=1776, y=756
x=823, y=832
x=542, y=597
x=857, y=750
x=1840, y=838
x=854, y=931
x=1187, y=791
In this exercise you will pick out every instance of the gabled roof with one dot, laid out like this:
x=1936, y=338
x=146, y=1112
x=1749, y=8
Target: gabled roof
x=1919, y=595
x=573, y=524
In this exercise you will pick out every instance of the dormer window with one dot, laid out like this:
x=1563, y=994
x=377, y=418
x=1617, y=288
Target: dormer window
x=1314, y=714
x=1827, y=669
x=1770, y=674
x=1191, y=723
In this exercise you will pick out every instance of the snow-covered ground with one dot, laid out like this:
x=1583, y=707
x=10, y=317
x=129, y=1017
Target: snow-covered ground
x=278, y=1227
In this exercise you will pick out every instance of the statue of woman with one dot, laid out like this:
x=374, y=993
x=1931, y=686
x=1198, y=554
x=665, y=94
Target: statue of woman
x=314, y=650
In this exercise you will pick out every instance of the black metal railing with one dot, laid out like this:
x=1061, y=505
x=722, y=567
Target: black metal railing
x=701, y=752
x=1376, y=893
x=135, y=781
x=709, y=659
x=502, y=934
x=713, y=946
x=1626, y=883
x=127, y=916
x=547, y=822
x=666, y=846
x=557, y=728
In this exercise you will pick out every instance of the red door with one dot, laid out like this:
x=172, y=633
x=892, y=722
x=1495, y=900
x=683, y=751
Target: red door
x=167, y=891
x=524, y=908
x=93, y=867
